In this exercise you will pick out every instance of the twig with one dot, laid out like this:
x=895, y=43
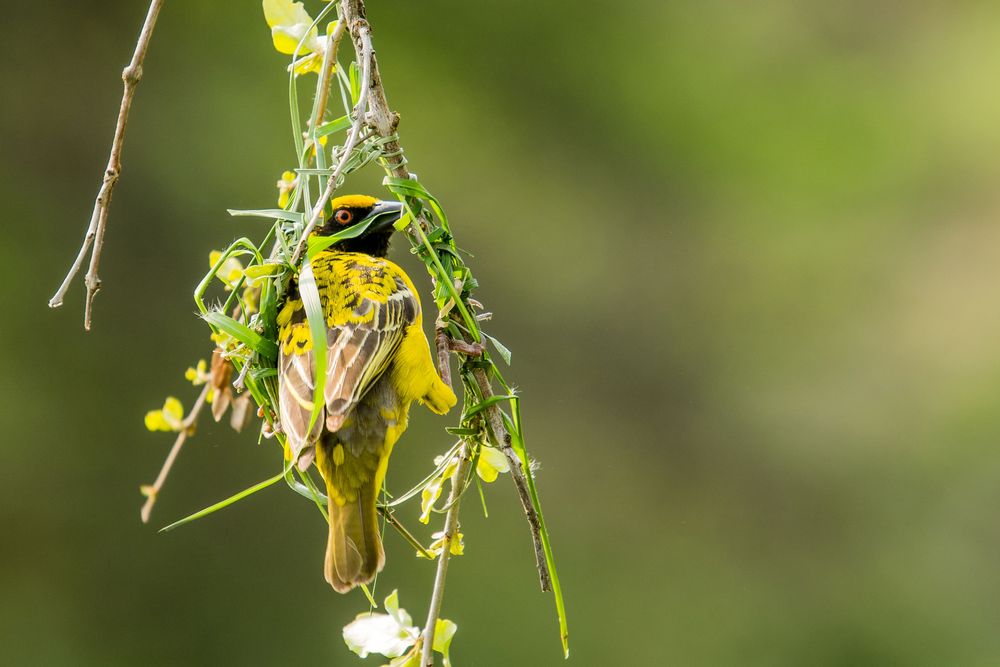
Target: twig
x=443, y=357
x=326, y=76
x=187, y=429
x=466, y=348
x=94, y=237
x=407, y=535
x=384, y=120
x=360, y=110
x=501, y=439
x=450, y=533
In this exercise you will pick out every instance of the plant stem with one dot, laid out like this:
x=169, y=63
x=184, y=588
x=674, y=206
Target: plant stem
x=94, y=237
x=187, y=429
x=385, y=121
x=450, y=533
x=360, y=111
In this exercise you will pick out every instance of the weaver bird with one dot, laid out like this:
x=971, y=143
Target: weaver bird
x=378, y=363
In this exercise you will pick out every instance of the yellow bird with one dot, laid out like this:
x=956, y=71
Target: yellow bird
x=378, y=363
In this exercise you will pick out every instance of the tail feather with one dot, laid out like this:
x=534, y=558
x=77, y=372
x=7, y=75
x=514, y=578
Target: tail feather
x=354, y=552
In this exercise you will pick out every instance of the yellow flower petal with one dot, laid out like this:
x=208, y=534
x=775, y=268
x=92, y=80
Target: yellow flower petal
x=286, y=39
x=432, y=491
x=312, y=62
x=156, y=422
x=286, y=185
x=491, y=463
x=231, y=269
x=285, y=12
x=173, y=408
x=428, y=497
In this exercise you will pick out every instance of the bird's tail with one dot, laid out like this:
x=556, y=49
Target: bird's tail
x=354, y=552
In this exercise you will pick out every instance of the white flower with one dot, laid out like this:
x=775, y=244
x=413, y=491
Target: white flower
x=388, y=634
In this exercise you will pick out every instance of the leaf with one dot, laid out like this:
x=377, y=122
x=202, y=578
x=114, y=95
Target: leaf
x=332, y=126
x=479, y=407
x=241, y=332
x=355, y=78
x=258, y=271
x=303, y=490
x=317, y=328
x=403, y=222
x=517, y=442
x=225, y=503
x=409, y=187
x=317, y=244
x=444, y=631
x=273, y=213
x=500, y=347
x=460, y=431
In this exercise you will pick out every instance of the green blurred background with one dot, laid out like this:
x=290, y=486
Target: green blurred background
x=746, y=258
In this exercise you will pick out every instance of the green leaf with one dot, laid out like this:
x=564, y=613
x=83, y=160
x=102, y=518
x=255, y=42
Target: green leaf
x=332, y=126
x=317, y=328
x=225, y=503
x=500, y=347
x=459, y=431
x=403, y=222
x=355, y=78
x=317, y=244
x=411, y=188
x=241, y=332
x=444, y=631
x=517, y=442
x=273, y=213
x=479, y=407
x=258, y=271
x=311, y=494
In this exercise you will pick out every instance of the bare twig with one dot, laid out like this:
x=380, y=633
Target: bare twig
x=187, y=429
x=443, y=357
x=384, y=121
x=466, y=348
x=501, y=440
x=366, y=59
x=450, y=534
x=326, y=76
x=94, y=237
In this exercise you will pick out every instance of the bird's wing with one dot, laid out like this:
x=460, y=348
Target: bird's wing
x=296, y=383
x=368, y=305
x=363, y=334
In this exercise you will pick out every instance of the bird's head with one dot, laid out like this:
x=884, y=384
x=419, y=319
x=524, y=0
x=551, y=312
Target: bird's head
x=351, y=210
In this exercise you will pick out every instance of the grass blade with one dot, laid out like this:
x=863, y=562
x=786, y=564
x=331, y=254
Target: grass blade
x=273, y=213
x=317, y=329
x=517, y=442
x=241, y=332
x=225, y=503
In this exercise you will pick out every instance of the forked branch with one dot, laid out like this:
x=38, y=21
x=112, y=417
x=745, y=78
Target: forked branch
x=384, y=122
x=93, y=240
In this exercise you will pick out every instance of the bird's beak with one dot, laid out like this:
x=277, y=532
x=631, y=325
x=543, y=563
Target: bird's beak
x=383, y=216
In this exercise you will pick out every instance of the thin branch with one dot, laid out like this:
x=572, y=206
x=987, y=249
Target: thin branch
x=326, y=76
x=187, y=429
x=384, y=121
x=443, y=357
x=501, y=440
x=360, y=110
x=450, y=534
x=94, y=237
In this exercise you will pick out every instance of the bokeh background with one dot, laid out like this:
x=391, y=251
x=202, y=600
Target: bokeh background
x=746, y=258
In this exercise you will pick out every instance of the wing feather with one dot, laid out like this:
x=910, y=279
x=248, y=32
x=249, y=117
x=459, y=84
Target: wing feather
x=369, y=304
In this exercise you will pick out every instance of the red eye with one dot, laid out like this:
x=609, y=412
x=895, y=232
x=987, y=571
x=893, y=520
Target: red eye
x=343, y=216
